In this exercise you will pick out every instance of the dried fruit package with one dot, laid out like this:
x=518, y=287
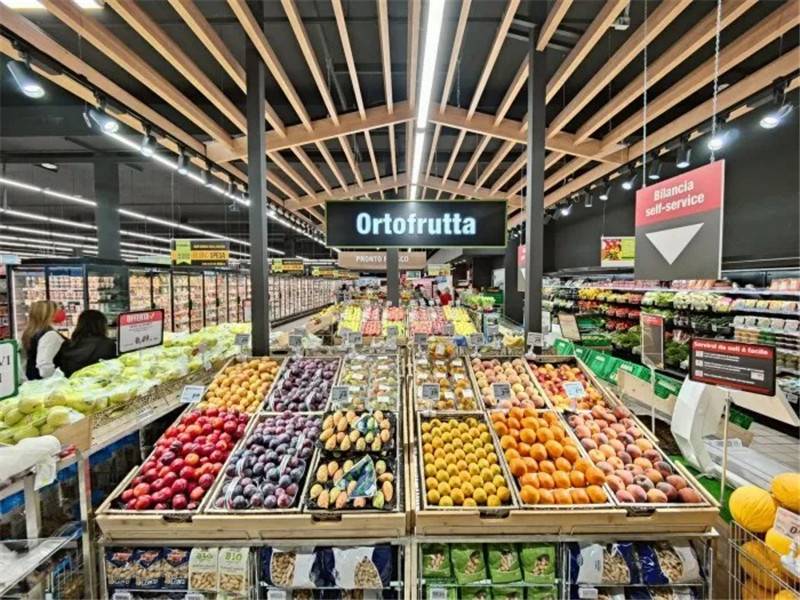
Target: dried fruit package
x=468, y=563
x=436, y=562
x=147, y=568
x=538, y=563
x=664, y=563
x=596, y=564
x=233, y=568
x=503, y=563
x=362, y=568
x=119, y=568
x=175, y=568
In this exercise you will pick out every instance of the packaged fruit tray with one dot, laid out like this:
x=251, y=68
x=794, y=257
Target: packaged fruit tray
x=639, y=474
x=243, y=384
x=268, y=469
x=373, y=380
x=460, y=466
x=549, y=468
x=304, y=384
x=524, y=389
x=456, y=392
x=344, y=432
x=551, y=375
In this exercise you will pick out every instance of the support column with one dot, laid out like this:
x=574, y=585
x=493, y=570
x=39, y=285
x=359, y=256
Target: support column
x=257, y=186
x=393, y=276
x=534, y=202
x=106, y=213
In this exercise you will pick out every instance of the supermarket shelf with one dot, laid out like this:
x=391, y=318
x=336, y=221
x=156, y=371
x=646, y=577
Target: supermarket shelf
x=733, y=291
x=26, y=563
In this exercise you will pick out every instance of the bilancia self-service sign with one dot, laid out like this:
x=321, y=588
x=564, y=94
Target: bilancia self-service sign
x=419, y=223
x=734, y=365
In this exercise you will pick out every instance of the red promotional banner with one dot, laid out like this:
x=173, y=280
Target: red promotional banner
x=679, y=225
x=140, y=329
x=521, y=254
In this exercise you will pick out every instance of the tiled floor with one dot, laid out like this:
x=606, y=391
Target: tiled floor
x=776, y=445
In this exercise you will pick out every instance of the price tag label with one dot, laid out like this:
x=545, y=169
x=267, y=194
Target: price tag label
x=420, y=339
x=391, y=343
x=574, y=389
x=501, y=391
x=476, y=340
x=296, y=342
x=492, y=330
x=192, y=393
x=430, y=392
x=122, y=596
x=242, y=339
x=437, y=593
x=276, y=595
x=788, y=524
x=588, y=593
x=391, y=331
x=139, y=330
x=356, y=339
x=194, y=596
x=449, y=329
x=340, y=395
x=535, y=339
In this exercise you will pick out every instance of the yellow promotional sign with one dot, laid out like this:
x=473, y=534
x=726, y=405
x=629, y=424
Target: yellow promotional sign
x=200, y=253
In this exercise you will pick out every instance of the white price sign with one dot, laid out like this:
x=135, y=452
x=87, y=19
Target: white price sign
x=139, y=330
x=788, y=523
x=574, y=389
x=340, y=395
x=501, y=391
x=535, y=339
x=242, y=339
x=430, y=392
x=9, y=368
x=420, y=339
x=391, y=331
x=449, y=329
x=192, y=394
x=296, y=342
x=476, y=340
x=492, y=330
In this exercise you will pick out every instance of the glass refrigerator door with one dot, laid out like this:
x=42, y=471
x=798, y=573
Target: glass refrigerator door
x=242, y=292
x=162, y=296
x=196, y=304
x=65, y=287
x=140, y=284
x=29, y=285
x=180, y=294
x=5, y=310
x=222, y=298
x=210, y=298
x=108, y=290
x=233, y=297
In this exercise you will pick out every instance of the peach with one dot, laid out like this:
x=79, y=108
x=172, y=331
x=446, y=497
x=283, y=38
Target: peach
x=607, y=450
x=575, y=421
x=668, y=490
x=639, y=495
x=652, y=455
x=676, y=481
x=655, y=496
x=616, y=462
x=625, y=476
x=625, y=458
x=643, y=462
x=624, y=496
x=654, y=475
x=582, y=431
x=635, y=469
x=610, y=433
x=689, y=496
x=618, y=427
x=664, y=468
x=644, y=444
x=605, y=467
x=635, y=432
x=617, y=446
x=588, y=444
x=615, y=483
x=621, y=412
x=633, y=450
x=596, y=455
x=600, y=439
x=643, y=482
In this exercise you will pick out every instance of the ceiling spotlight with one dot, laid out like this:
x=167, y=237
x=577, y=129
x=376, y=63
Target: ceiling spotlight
x=183, y=163
x=655, y=170
x=565, y=210
x=684, y=158
x=717, y=141
x=605, y=192
x=148, y=143
x=773, y=119
x=631, y=182
x=49, y=166
x=204, y=178
x=547, y=218
x=26, y=81
x=102, y=120
x=587, y=199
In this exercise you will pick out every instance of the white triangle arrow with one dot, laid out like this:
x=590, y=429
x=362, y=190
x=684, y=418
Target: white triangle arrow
x=672, y=242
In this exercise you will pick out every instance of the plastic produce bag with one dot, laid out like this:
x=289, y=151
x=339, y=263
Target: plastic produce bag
x=364, y=476
x=468, y=563
x=664, y=563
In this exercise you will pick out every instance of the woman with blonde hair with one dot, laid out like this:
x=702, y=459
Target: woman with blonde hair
x=40, y=342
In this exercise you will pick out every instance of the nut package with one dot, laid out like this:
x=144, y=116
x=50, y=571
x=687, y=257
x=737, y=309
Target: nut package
x=203, y=570
x=436, y=562
x=598, y=564
x=233, y=569
x=538, y=563
x=363, y=567
x=503, y=562
x=468, y=563
x=119, y=568
x=664, y=563
x=294, y=567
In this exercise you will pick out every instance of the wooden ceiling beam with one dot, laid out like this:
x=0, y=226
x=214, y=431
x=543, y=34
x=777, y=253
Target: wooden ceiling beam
x=779, y=21
x=498, y=158
x=470, y=191
x=254, y=31
x=306, y=161
x=473, y=161
x=326, y=155
x=344, y=38
x=369, y=187
x=101, y=38
x=202, y=29
x=386, y=60
x=351, y=159
x=371, y=151
x=284, y=166
x=551, y=23
x=321, y=130
x=689, y=43
x=515, y=167
x=453, y=155
x=661, y=17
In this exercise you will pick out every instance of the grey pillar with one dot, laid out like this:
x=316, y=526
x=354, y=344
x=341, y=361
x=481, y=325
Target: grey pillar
x=534, y=202
x=106, y=213
x=393, y=276
x=257, y=184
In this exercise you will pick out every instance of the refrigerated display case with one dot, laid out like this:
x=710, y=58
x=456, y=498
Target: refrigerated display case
x=232, y=291
x=5, y=308
x=195, y=301
x=65, y=287
x=180, y=301
x=141, y=289
x=151, y=288
x=107, y=290
x=210, y=297
x=222, y=297
x=28, y=284
x=243, y=292
x=162, y=295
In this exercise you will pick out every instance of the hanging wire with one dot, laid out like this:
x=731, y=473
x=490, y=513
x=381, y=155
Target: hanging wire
x=644, y=102
x=716, y=76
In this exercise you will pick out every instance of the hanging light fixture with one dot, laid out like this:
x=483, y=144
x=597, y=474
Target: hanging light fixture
x=718, y=139
x=684, y=158
x=631, y=182
x=655, y=169
x=587, y=199
x=773, y=119
x=148, y=143
x=605, y=191
x=183, y=162
x=26, y=81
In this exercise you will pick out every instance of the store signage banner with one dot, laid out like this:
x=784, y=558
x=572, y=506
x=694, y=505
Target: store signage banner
x=201, y=253
x=327, y=272
x=287, y=266
x=419, y=223
x=140, y=329
x=376, y=261
x=679, y=225
x=617, y=251
x=734, y=365
x=521, y=255
x=438, y=270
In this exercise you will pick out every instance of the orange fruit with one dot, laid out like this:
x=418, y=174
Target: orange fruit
x=547, y=466
x=561, y=479
x=554, y=449
x=530, y=465
x=571, y=454
x=527, y=435
x=546, y=481
x=595, y=476
x=551, y=418
x=513, y=423
x=544, y=434
x=562, y=464
x=507, y=442
x=546, y=497
x=582, y=464
x=517, y=467
x=511, y=454
x=579, y=496
x=524, y=449
x=497, y=416
x=529, y=411
x=596, y=494
x=500, y=428
x=562, y=497
x=529, y=423
x=516, y=413
x=529, y=479
x=538, y=452
x=529, y=494
x=577, y=479
x=514, y=432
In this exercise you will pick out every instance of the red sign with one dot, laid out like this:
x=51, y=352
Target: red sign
x=139, y=330
x=735, y=365
x=696, y=191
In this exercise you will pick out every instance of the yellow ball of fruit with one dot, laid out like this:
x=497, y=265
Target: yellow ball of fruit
x=433, y=497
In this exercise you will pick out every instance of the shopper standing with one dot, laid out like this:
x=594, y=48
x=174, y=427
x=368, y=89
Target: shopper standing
x=88, y=345
x=444, y=297
x=40, y=342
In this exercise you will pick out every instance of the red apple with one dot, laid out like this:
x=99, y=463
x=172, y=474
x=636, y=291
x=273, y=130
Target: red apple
x=127, y=495
x=157, y=484
x=187, y=473
x=197, y=493
x=131, y=504
x=141, y=489
x=216, y=456
x=206, y=480
x=230, y=427
x=143, y=502
x=160, y=506
x=179, y=502
x=179, y=486
x=191, y=506
x=177, y=464
x=222, y=445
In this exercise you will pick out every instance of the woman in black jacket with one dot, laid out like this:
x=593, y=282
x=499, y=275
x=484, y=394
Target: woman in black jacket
x=88, y=345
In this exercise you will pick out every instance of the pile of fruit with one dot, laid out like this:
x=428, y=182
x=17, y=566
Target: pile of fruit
x=546, y=462
x=429, y=320
x=242, y=386
x=394, y=313
x=185, y=461
x=455, y=390
x=305, y=385
x=350, y=319
x=552, y=378
x=365, y=432
x=373, y=382
x=462, y=323
x=353, y=484
x=460, y=464
x=513, y=372
x=634, y=468
x=268, y=470
x=371, y=321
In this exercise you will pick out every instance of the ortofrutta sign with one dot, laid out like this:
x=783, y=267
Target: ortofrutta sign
x=679, y=225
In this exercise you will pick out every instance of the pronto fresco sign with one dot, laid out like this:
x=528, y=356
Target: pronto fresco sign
x=734, y=365
x=679, y=225
x=376, y=261
x=418, y=223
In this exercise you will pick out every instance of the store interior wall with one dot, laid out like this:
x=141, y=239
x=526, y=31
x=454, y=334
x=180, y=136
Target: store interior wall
x=513, y=300
x=761, y=213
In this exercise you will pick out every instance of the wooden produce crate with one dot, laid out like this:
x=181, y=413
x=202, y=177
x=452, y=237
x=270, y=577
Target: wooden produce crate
x=505, y=358
x=414, y=388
